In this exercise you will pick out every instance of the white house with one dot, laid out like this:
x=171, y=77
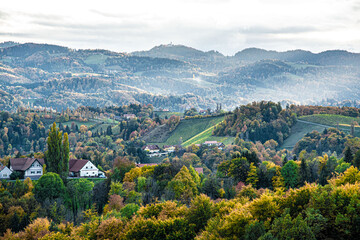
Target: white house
x=169, y=148
x=31, y=167
x=151, y=148
x=5, y=172
x=83, y=168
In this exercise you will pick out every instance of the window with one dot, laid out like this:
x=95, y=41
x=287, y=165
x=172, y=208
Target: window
x=86, y=167
x=32, y=172
x=93, y=173
x=91, y=167
x=38, y=172
x=4, y=175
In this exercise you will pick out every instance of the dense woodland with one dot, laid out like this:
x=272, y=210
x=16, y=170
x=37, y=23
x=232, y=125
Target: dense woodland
x=249, y=190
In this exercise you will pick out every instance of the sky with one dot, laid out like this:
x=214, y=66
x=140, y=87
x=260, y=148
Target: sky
x=227, y=26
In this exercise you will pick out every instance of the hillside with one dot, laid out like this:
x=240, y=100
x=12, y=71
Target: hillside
x=186, y=130
x=318, y=122
x=174, y=77
x=342, y=122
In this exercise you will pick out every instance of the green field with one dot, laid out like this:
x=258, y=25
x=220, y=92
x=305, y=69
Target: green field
x=167, y=114
x=206, y=136
x=330, y=119
x=190, y=128
x=333, y=121
x=326, y=120
x=298, y=131
x=96, y=59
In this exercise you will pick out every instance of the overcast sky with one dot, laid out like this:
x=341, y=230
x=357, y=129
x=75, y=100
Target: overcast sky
x=223, y=25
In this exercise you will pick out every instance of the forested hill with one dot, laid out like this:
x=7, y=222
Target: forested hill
x=176, y=77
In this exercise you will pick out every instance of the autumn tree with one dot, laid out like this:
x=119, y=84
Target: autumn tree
x=252, y=176
x=183, y=185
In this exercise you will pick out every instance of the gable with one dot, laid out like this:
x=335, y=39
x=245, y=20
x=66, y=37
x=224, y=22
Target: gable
x=89, y=166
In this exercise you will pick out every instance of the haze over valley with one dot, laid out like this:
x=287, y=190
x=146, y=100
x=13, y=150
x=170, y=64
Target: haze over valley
x=174, y=77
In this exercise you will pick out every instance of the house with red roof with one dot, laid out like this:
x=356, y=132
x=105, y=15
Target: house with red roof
x=151, y=148
x=30, y=167
x=83, y=168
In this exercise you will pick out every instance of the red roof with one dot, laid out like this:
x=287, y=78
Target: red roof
x=75, y=165
x=199, y=170
x=22, y=164
x=151, y=147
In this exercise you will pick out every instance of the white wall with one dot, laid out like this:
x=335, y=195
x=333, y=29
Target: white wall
x=89, y=170
x=35, y=169
x=5, y=173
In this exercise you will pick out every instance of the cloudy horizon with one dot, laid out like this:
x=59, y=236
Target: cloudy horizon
x=226, y=26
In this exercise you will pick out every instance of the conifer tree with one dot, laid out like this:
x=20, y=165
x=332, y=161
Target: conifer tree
x=348, y=156
x=356, y=161
x=304, y=169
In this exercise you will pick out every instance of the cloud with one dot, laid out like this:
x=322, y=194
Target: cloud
x=281, y=30
x=226, y=26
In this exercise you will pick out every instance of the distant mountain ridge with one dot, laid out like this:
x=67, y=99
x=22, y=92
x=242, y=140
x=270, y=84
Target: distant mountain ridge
x=173, y=76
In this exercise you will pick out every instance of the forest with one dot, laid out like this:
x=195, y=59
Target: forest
x=251, y=189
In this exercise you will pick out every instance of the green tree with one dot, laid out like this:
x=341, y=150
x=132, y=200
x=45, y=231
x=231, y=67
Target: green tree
x=49, y=186
x=348, y=156
x=79, y=191
x=239, y=169
x=290, y=174
x=356, y=161
x=252, y=176
x=304, y=171
x=200, y=211
x=183, y=185
x=65, y=156
x=57, y=155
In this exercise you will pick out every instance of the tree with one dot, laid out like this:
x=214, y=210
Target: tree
x=65, y=156
x=80, y=194
x=200, y=211
x=57, y=155
x=304, y=171
x=348, y=156
x=356, y=161
x=109, y=131
x=252, y=176
x=49, y=186
x=290, y=174
x=183, y=185
x=239, y=168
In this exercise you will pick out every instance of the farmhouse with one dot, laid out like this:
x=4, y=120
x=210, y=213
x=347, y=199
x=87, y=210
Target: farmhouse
x=129, y=116
x=5, y=172
x=30, y=167
x=220, y=145
x=169, y=148
x=151, y=148
x=83, y=168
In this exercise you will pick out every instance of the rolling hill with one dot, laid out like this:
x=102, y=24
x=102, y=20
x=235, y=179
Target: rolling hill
x=175, y=77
